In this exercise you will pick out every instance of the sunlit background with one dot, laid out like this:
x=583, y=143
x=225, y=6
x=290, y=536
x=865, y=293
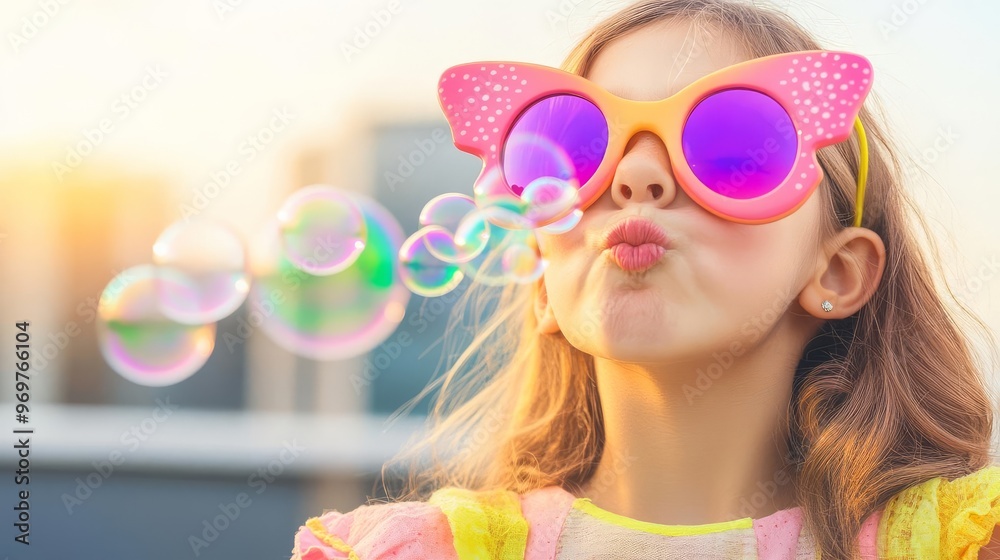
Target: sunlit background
x=222, y=108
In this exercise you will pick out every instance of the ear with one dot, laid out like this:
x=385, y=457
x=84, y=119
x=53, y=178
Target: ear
x=849, y=271
x=543, y=311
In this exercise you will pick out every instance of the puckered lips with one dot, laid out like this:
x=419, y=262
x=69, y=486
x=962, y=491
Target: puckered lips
x=636, y=244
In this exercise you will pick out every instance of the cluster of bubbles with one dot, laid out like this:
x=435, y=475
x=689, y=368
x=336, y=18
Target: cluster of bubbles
x=490, y=238
x=157, y=322
x=329, y=277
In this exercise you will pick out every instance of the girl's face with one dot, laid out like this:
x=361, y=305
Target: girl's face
x=720, y=283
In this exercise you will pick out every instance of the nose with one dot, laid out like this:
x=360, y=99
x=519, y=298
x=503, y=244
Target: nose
x=643, y=175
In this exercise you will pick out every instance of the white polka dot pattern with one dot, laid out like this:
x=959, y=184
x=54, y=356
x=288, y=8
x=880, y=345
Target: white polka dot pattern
x=823, y=92
x=481, y=100
x=826, y=90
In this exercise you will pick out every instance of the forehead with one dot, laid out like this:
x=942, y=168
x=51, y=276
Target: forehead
x=658, y=60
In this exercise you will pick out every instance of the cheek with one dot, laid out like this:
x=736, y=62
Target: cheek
x=562, y=251
x=757, y=253
x=566, y=271
x=744, y=266
x=784, y=249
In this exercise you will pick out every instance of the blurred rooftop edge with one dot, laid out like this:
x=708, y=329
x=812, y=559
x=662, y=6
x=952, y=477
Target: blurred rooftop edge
x=315, y=436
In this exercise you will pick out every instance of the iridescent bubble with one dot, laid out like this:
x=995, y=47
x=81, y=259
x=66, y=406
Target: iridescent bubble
x=213, y=259
x=529, y=153
x=490, y=191
x=446, y=210
x=440, y=243
x=491, y=186
x=565, y=224
x=522, y=264
x=335, y=316
x=423, y=273
x=138, y=340
x=472, y=236
x=509, y=213
x=490, y=241
x=475, y=231
x=550, y=199
x=322, y=229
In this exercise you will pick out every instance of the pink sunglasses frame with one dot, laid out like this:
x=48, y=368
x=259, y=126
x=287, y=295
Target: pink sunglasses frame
x=821, y=91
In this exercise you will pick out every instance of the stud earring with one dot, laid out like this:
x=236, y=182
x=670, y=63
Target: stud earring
x=826, y=305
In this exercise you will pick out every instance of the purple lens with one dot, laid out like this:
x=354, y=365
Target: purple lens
x=561, y=136
x=740, y=143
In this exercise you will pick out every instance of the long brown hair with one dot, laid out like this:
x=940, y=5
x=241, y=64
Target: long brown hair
x=883, y=400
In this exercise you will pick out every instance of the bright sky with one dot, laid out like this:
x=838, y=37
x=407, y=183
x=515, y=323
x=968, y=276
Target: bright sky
x=204, y=74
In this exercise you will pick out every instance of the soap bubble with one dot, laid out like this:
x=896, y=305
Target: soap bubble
x=483, y=229
x=549, y=199
x=488, y=242
x=138, y=340
x=213, y=259
x=491, y=192
x=522, y=264
x=565, y=224
x=322, y=229
x=538, y=155
x=424, y=273
x=446, y=210
x=333, y=316
x=440, y=243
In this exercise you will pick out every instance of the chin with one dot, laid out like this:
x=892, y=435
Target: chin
x=634, y=355
x=646, y=315
x=648, y=346
x=629, y=341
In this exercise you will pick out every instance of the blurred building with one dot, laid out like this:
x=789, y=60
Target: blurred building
x=119, y=469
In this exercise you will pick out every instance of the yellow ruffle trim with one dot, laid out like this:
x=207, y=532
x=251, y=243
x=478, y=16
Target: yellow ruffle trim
x=586, y=506
x=334, y=542
x=942, y=519
x=486, y=525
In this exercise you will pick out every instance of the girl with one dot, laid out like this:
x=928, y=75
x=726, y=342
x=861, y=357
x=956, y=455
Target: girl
x=700, y=379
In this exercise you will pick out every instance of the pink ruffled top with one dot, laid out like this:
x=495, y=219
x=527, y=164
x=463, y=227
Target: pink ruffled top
x=936, y=519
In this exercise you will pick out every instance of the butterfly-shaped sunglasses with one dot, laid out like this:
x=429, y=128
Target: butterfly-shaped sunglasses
x=742, y=139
